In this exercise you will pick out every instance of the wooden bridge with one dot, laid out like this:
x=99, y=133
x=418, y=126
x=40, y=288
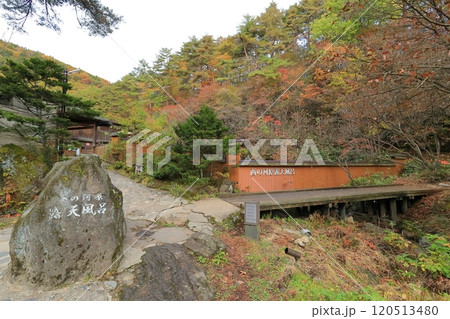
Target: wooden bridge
x=382, y=200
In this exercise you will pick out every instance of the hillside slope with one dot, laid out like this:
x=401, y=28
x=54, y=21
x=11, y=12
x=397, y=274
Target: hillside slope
x=82, y=82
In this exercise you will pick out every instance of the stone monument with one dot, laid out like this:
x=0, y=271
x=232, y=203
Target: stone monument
x=74, y=229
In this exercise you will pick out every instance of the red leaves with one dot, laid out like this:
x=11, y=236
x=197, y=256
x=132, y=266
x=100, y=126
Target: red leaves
x=370, y=244
x=267, y=118
x=270, y=119
x=427, y=74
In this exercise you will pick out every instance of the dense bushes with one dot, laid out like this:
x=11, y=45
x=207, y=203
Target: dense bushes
x=21, y=172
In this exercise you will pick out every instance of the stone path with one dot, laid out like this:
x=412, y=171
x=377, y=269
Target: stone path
x=141, y=203
x=153, y=218
x=5, y=234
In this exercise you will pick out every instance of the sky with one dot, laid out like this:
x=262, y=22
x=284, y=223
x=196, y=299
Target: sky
x=148, y=26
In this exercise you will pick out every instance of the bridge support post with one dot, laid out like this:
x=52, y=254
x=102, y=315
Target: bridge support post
x=326, y=210
x=362, y=207
x=393, y=209
x=382, y=209
x=342, y=211
x=369, y=205
x=404, y=206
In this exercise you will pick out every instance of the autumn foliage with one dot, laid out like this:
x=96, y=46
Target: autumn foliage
x=363, y=80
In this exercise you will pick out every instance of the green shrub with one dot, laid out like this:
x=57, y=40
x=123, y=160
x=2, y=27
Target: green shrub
x=202, y=259
x=220, y=259
x=376, y=179
x=396, y=241
x=115, y=152
x=414, y=169
x=442, y=174
x=308, y=289
x=411, y=168
x=436, y=259
x=21, y=174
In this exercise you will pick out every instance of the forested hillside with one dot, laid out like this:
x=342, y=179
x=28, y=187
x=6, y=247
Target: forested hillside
x=358, y=77
x=363, y=79
x=366, y=80
x=81, y=81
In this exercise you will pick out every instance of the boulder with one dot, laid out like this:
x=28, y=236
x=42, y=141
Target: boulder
x=226, y=187
x=302, y=241
x=110, y=285
x=199, y=223
x=373, y=228
x=204, y=245
x=424, y=243
x=167, y=272
x=73, y=230
x=176, y=216
x=205, y=228
x=349, y=220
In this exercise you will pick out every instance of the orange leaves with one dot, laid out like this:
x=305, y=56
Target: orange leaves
x=284, y=73
x=310, y=91
x=8, y=200
x=220, y=58
x=270, y=119
x=85, y=78
x=370, y=245
x=427, y=74
x=319, y=74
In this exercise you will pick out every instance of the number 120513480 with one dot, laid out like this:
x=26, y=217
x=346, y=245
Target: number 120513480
x=410, y=310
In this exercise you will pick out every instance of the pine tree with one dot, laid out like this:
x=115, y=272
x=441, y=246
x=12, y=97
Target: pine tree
x=38, y=109
x=204, y=125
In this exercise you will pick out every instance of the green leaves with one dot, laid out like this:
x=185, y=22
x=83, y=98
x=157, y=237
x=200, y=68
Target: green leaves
x=436, y=260
x=204, y=125
x=344, y=19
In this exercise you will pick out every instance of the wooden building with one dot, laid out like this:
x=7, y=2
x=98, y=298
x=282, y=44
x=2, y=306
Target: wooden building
x=93, y=134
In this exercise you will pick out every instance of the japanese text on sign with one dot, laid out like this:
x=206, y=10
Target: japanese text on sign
x=92, y=204
x=272, y=171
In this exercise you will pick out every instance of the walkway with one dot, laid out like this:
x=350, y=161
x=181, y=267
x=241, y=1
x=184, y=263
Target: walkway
x=143, y=203
x=143, y=207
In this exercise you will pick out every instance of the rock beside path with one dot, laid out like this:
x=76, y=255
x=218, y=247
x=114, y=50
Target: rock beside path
x=204, y=245
x=73, y=230
x=199, y=223
x=177, y=216
x=373, y=228
x=215, y=208
x=167, y=272
x=302, y=241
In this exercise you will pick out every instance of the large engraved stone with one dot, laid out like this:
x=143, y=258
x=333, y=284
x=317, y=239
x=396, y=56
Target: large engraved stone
x=74, y=229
